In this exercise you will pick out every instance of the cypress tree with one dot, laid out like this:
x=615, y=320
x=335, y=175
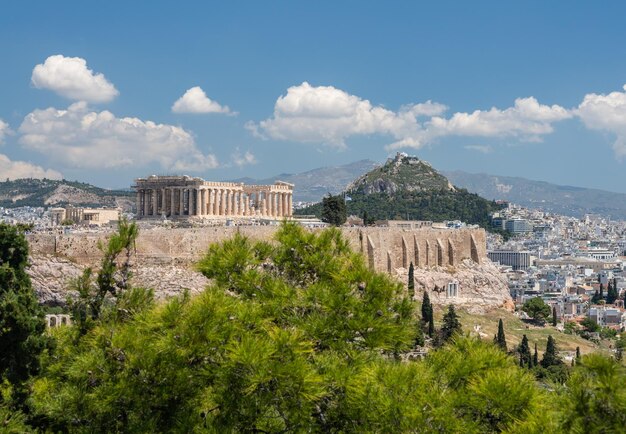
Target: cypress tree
x=451, y=324
x=501, y=339
x=554, y=316
x=595, y=298
x=427, y=314
x=550, y=357
x=611, y=294
x=536, y=356
x=411, y=282
x=524, y=353
x=577, y=355
x=601, y=295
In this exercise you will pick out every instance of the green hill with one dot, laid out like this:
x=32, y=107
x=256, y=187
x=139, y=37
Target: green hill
x=408, y=188
x=47, y=192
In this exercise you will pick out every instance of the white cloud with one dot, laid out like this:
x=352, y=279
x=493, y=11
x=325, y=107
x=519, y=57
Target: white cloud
x=22, y=169
x=195, y=101
x=245, y=159
x=325, y=114
x=329, y=115
x=483, y=149
x=606, y=113
x=526, y=119
x=4, y=131
x=79, y=137
x=70, y=78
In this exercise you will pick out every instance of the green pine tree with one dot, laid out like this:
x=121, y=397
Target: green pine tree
x=21, y=318
x=535, y=356
x=500, y=338
x=577, y=355
x=601, y=294
x=554, y=316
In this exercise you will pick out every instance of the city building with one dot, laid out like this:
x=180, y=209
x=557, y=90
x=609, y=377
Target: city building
x=518, y=260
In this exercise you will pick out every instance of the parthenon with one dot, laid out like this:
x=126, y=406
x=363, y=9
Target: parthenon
x=185, y=196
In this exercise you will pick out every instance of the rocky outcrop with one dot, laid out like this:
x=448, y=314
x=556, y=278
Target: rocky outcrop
x=481, y=287
x=403, y=173
x=51, y=277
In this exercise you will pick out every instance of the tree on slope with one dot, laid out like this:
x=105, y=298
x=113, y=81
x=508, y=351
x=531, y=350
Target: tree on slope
x=334, y=210
x=427, y=315
x=500, y=338
x=411, y=282
x=537, y=309
x=451, y=325
x=550, y=357
x=525, y=359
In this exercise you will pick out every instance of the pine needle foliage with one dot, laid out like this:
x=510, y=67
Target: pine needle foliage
x=295, y=336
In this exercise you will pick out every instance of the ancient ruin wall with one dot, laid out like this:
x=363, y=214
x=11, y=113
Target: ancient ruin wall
x=384, y=248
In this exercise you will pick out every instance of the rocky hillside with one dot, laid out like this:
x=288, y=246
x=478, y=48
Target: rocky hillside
x=401, y=174
x=47, y=192
x=406, y=187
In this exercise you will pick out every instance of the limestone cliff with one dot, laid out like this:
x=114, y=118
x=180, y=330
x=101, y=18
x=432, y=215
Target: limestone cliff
x=164, y=260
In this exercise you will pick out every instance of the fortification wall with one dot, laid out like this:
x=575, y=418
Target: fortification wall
x=384, y=248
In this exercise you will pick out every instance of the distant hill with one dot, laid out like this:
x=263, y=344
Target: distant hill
x=46, y=192
x=314, y=184
x=559, y=199
x=406, y=187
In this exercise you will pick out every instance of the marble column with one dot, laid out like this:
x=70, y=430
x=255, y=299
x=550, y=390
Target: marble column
x=210, y=201
x=201, y=200
x=145, y=203
x=281, y=205
x=181, y=201
x=153, y=210
x=290, y=204
x=138, y=203
x=192, y=201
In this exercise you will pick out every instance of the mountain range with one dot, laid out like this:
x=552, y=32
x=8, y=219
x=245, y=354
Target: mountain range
x=314, y=184
x=558, y=199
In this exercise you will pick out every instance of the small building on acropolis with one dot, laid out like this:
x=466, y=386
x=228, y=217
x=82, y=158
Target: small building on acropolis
x=185, y=197
x=84, y=216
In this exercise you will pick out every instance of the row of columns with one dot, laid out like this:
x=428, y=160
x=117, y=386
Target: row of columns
x=181, y=201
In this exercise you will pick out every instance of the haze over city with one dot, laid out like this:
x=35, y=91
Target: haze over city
x=104, y=93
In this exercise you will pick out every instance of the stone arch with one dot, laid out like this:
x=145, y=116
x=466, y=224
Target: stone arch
x=52, y=321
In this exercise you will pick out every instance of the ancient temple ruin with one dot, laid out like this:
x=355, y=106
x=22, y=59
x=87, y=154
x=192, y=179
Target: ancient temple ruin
x=185, y=196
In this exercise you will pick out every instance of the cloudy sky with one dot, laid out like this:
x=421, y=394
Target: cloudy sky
x=109, y=91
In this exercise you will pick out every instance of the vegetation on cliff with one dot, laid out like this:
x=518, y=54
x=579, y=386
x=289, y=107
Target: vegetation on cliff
x=297, y=336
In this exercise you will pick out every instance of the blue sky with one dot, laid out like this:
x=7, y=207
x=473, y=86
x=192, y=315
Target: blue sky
x=109, y=91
